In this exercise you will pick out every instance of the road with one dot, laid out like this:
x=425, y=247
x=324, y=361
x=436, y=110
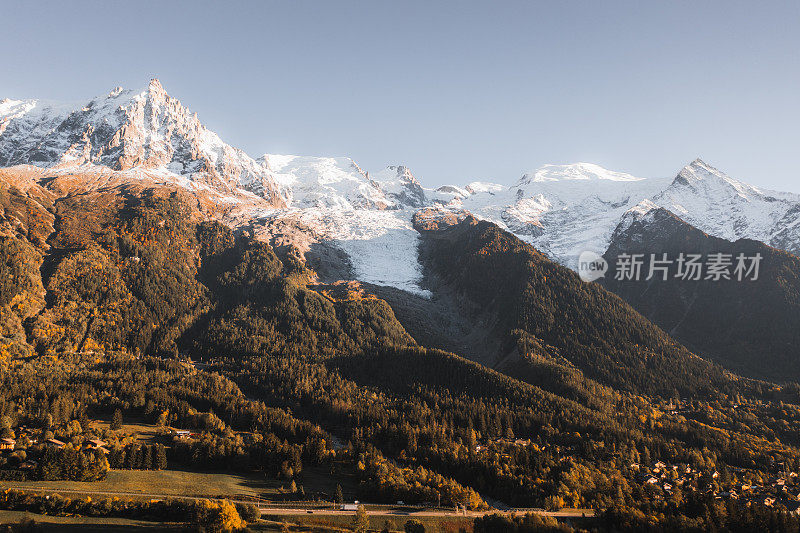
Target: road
x=320, y=508
x=424, y=512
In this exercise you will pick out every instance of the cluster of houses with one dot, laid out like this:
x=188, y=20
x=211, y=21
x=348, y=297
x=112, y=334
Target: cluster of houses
x=781, y=490
x=26, y=438
x=91, y=444
x=502, y=442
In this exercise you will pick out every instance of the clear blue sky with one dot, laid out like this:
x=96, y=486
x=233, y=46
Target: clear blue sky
x=457, y=91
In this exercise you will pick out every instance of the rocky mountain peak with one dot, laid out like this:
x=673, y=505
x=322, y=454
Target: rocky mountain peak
x=155, y=88
x=127, y=130
x=401, y=186
x=696, y=171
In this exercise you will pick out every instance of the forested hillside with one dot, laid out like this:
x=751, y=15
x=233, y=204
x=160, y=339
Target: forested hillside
x=547, y=316
x=752, y=326
x=145, y=307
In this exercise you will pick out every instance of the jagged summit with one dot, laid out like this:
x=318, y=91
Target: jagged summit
x=564, y=210
x=340, y=183
x=722, y=206
x=698, y=171
x=401, y=185
x=129, y=129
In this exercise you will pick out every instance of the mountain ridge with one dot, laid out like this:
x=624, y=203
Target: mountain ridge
x=562, y=210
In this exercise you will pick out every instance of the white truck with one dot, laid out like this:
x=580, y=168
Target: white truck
x=350, y=506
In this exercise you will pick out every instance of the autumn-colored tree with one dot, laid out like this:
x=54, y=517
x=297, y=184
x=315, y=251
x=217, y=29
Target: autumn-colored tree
x=361, y=520
x=217, y=517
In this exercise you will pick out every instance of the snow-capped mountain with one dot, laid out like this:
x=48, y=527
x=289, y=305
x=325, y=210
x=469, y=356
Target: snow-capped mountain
x=323, y=182
x=561, y=209
x=366, y=215
x=339, y=183
x=564, y=209
x=724, y=207
x=147, y=130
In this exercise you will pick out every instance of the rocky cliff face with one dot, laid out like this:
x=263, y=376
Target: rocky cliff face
x=146, y=130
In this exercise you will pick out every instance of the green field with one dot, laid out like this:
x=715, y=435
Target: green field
x=200, y=484
x=295, y=524
x=142, y=430
x=160, y=482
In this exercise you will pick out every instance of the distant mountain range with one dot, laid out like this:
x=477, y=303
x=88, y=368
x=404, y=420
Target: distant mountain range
x=351, y=224
x=561, y=209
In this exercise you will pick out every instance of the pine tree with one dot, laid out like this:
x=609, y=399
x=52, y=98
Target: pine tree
x=414, y=526
x=134, y=457
x=160, y=461
x=116, y=420
x=147, y=458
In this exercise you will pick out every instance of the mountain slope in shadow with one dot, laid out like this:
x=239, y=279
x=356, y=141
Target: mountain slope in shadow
x=751, y=326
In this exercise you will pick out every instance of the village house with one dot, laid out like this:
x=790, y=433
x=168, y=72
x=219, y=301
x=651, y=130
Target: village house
x=94, y=444
x=7, y=444
x=54, y=443
x=767, y=501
